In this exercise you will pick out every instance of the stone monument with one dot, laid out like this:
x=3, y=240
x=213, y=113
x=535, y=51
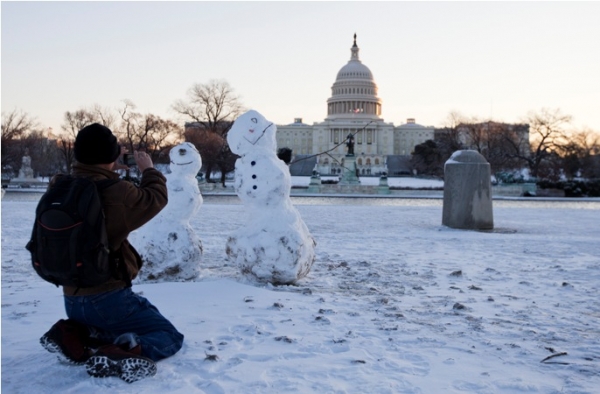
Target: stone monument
x=384, y=187
x=315, y=182
x=25, y=177
x=467, y=192
x=349, y=175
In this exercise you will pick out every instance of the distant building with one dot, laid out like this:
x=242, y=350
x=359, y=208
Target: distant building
x=353, y=108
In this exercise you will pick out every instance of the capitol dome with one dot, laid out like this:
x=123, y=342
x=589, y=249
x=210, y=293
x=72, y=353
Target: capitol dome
x=354, y=93
x=354, y=70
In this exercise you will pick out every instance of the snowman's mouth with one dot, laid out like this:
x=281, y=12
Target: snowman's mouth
x=253, y=141
x=182, y=164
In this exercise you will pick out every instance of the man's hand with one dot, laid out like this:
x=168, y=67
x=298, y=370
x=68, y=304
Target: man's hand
x=117, y=165
x=143, y=160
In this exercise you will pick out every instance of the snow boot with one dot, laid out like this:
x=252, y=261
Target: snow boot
x=112, y=360
x=67, y=338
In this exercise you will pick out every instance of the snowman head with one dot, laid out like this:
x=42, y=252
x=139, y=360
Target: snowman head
x=251, y=131
x=185, y=159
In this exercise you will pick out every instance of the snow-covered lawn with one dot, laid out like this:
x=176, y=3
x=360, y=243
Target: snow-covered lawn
x=395, y=303
x=408, y=182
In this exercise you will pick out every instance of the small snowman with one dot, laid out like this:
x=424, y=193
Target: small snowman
x=274, y=245
x=168, y=245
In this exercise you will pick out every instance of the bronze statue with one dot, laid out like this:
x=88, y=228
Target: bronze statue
x=350, y=144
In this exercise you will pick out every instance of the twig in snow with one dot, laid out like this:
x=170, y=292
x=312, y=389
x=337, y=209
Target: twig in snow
x=554, y=355
x=211, y=357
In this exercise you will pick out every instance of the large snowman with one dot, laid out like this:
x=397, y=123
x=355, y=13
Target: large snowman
x=274, y=245
x=170, y=248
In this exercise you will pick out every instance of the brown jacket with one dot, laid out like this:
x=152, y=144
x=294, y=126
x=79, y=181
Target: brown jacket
x=126, y=208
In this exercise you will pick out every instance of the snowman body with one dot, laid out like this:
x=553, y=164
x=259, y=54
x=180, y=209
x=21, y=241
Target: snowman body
x=168, y=245
x=274, y=245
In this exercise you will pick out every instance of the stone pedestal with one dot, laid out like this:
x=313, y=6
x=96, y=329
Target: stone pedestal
x=467, y=192
x=349, y=176
x=315, y=183
x=384, y=187
x=25, y=178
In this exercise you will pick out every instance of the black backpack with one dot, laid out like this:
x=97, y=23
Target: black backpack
x=69, y=244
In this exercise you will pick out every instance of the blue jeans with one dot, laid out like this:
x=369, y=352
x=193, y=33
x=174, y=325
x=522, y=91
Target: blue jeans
x=122, y=311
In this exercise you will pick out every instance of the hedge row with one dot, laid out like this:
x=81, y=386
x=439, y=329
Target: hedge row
x=589, y=188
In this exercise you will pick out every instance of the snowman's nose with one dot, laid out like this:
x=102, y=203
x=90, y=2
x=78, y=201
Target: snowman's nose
x=182, y=152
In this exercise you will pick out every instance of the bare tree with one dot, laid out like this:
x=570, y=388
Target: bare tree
x=166, y=133
x=211, y=109
x=105, y=116
x=547, y=133
x=16, y=125
x=212, y=105
x=214, y=151
x=45, y=157
x=147, y=132
x=75, y=121
x=474, y=134
x=448, y=138
x=579, y=153
x=156, y=134
x=130, y=125
x=499, y=141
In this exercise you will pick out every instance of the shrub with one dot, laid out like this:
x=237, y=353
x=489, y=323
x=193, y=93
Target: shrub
x=589, y=188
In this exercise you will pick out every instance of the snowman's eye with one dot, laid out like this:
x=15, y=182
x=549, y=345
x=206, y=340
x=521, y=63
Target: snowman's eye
x=254, y=120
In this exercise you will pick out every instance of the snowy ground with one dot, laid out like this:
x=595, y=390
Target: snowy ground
x=395, y=303
x=408, y=182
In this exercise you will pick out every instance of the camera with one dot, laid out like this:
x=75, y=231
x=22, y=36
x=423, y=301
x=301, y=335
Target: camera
x=128, y=159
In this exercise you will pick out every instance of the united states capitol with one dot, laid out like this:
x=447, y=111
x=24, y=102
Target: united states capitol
x=354, y=108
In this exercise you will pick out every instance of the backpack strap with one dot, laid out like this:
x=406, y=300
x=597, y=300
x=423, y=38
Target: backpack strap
x=120, y=267
x=116, y=255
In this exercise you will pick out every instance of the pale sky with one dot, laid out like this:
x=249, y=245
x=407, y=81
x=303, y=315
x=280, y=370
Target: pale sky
x=483, y=59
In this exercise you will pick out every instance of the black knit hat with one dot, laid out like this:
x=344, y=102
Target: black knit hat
x=96, y=144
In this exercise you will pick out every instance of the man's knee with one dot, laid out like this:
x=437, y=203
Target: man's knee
x=177, y=341
x=170, y=343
